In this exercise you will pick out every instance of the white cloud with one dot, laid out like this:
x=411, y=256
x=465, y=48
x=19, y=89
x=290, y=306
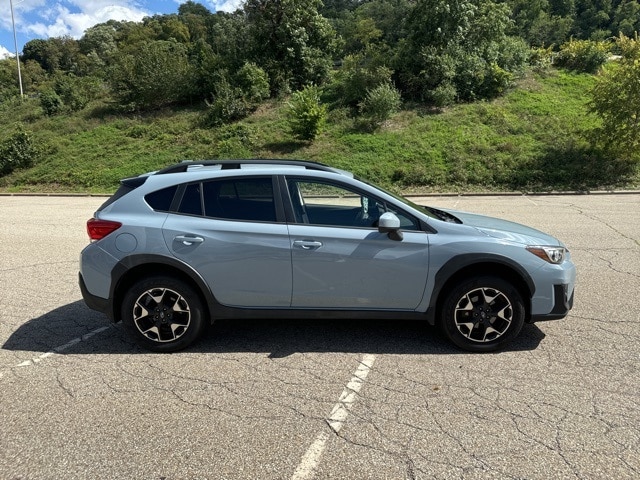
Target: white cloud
x=221, y=5
x=44, y=18
x=74, y=24
x=19, y=10
x=229, y=5
x=4, y=53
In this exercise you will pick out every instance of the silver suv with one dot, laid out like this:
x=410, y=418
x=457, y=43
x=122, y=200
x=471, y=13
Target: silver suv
x=173, y=250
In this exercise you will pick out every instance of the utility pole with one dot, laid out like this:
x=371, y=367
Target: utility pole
x=15, y=42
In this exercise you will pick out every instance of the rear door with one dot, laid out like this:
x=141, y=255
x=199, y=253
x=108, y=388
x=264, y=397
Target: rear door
x=229, y=230
x=339, y=258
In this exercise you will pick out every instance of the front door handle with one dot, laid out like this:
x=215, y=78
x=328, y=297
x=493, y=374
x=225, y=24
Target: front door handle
x=307, y=244
x=188, y=240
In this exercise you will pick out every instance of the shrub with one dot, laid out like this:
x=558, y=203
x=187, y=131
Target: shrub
x=51, y=103
x=306, y=115
x=231, y=103
x=444, y=95
x=541, y=58
x=154, y=75
x=254, y=83
x=356, y=77
x=615, y=99
x=496, y=81
x=235, y=141
x=77, y=92
x=582, y=55
x=227, y=105
x=380, y=103
x=18, y=151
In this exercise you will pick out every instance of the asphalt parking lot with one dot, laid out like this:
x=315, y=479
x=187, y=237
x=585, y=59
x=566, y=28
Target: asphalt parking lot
x=320, y=399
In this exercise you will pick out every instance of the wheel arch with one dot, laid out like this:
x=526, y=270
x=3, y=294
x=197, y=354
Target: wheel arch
x=131, y=269
x=469, y=265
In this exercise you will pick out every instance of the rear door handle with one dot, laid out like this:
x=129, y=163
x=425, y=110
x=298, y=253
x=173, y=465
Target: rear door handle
x=307, y=244
x=188, y=240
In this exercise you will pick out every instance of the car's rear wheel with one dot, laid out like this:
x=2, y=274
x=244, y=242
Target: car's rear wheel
x=482, y=314
x=163, y=314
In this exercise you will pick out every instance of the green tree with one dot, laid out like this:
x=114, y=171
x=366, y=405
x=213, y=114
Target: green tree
x=593, y=19
x=292, y=42
x=130, y=36
x=195, y=17
x=156, y=74
x=374, y=23
x=193, y=8
x=100, y=40
x=229, y=39
x=616, y=100
x=8, y=79
x=357, y=75
x=53, y=54
x=626, y=19
x=168, y=27
x=458, y=50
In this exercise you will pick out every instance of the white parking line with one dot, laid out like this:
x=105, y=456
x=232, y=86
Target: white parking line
x=61, y=348
x=307, y=467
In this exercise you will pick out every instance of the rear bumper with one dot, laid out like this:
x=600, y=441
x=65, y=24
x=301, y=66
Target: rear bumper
x=94, y=302
x=563, y=302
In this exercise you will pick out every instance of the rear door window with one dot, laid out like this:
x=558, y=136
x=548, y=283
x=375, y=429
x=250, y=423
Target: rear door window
x=191, y=203
x=245, y=199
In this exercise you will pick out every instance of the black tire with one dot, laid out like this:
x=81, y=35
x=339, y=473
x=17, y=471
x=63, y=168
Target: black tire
x=482, y=314
x=163, y=314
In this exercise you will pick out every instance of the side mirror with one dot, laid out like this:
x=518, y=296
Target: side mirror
x=390, y=224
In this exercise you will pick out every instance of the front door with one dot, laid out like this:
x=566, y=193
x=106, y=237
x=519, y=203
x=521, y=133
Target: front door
x=339, y=258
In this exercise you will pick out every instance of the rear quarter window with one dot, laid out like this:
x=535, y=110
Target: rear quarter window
x=161, y=200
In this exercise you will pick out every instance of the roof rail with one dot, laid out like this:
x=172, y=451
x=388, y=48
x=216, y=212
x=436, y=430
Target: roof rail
x=236, y=164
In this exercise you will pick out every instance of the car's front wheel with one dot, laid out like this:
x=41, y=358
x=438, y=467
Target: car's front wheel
x=482, y=314
x=164, y=314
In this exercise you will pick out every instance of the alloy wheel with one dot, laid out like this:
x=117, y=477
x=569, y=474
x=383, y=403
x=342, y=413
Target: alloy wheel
x=483, y=314
x=161, y=315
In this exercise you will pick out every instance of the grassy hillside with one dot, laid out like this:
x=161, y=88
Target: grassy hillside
x=530, y=139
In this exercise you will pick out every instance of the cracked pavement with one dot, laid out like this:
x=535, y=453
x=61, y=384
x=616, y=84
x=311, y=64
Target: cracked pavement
x=78, y=400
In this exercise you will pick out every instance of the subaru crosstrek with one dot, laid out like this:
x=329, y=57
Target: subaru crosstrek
x=172, y=251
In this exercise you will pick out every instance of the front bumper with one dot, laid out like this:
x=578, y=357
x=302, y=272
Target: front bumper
x=563, y=302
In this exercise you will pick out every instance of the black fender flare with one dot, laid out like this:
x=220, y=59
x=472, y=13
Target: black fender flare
x=469, y=260
x=153, y=263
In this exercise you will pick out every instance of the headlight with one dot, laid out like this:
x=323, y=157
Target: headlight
x=553, y=255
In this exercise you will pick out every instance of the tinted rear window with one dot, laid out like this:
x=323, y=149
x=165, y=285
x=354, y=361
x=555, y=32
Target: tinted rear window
x=191, y=203
x=246, y=199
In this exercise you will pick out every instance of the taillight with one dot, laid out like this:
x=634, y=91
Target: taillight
x=98, y=229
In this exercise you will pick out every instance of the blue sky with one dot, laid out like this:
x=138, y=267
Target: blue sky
x=56, y=18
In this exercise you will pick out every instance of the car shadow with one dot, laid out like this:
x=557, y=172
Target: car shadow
x=279, y=338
